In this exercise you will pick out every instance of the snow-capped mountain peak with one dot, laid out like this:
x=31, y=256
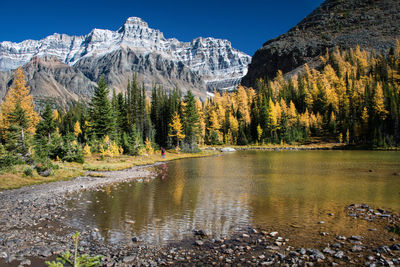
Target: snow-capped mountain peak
x=214, y=60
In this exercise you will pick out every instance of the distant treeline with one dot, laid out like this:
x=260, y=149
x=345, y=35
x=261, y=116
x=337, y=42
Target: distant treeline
x=353, y=97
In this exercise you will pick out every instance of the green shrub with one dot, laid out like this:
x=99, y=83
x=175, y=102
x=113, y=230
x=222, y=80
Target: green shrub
x=395, y=229
x=28, y=172
x=8, y=160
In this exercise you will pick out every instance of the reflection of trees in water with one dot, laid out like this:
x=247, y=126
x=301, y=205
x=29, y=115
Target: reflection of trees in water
x=303, y=187
x=149, y=205
x=222, y=203
x=219, y=193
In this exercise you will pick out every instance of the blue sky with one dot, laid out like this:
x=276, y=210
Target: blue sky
x=247, y=24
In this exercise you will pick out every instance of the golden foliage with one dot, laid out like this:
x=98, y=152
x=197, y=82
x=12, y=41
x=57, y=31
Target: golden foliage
x=19, y=93
x=149, y=148
x=77, y=129
x=86, y=150
x=176, y=127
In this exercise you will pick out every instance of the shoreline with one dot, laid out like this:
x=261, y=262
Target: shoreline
x=70, y=170
x=32, y=227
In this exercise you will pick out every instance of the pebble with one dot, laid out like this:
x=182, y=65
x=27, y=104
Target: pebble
x=129, y=259
x=199, y=243
x=267, y=263
x=317, y=254
x=357, y=248
x=339, y=254
x=329, y=251
x=370, y=258
x=273, y=234
x=395, y=247
x=25, y=262
x=356, y=238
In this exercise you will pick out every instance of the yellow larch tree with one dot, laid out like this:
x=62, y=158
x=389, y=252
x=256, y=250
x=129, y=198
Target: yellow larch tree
x=278, y=112
x=56, y=116
x=176, y=128
x=283, y=105
x=292, y=114
x=19, y=93
x=77, y=129
x=215, y=125
x=202, y=123
x=86, y=150
x=378, y=102
x=243, y=105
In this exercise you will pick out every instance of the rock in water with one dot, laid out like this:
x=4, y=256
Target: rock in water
x=228, y=149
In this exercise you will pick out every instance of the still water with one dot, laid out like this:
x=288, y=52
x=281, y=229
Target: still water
x=273, y=190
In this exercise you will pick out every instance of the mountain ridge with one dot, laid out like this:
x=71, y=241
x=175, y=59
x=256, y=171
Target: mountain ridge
x=371, y=24
x=200, y=65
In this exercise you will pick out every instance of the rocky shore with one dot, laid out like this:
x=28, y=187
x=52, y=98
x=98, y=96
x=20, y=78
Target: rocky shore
x=33, y=229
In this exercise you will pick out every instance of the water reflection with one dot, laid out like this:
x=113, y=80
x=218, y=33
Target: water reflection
x=220, y=194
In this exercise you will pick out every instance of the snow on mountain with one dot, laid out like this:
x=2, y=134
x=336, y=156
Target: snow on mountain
x=214, y=60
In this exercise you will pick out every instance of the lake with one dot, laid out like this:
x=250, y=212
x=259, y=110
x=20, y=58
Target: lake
x=286, y=191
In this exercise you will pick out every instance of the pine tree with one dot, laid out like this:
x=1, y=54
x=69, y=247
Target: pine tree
x=47, y=125
x=190, y=119
x=101, y=111
x=46, y=137
x=17, y=129
x=121, y=114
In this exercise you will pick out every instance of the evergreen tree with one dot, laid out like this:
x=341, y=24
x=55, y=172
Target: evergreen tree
x=47, y=126
x=121, y=114
x=190, y=119
x=46, y=139
x=101, y=111
x=17, y=130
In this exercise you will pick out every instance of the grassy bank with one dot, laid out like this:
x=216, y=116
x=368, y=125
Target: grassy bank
x=14, y=177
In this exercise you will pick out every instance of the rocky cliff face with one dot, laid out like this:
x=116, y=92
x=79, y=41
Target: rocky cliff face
x=372, y=24
x=204, y=63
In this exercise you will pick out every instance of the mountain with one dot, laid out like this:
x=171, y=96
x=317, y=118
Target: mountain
x=200, y=65
x=371, y=24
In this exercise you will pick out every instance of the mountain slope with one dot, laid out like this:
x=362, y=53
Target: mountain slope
x=372, y=24
x=204, y=63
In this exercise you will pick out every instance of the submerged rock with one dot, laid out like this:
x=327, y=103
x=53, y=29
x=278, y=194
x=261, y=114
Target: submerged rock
x=228, y=149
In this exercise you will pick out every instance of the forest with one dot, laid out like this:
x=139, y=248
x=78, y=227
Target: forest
x=352, y=97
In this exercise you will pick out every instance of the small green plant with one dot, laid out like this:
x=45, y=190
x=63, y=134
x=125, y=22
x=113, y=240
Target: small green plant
x=28, y=172
x=75, y=259
x=394, y=229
